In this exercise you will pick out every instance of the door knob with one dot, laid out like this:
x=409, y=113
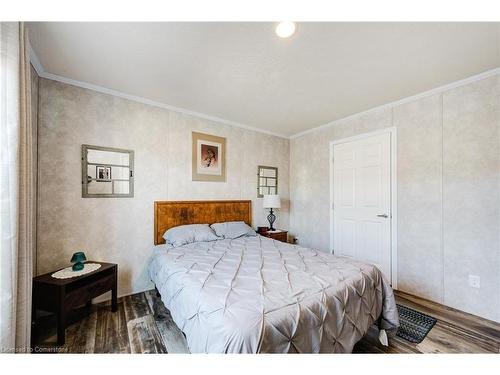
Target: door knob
x=383, y=215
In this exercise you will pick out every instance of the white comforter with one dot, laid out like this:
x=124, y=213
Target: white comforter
x=254, y=294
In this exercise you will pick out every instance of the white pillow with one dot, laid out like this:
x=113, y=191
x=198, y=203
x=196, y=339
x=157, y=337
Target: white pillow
x=184, y=234
x=232, y=229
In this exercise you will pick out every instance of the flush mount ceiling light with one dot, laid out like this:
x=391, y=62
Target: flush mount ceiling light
x=285, y=29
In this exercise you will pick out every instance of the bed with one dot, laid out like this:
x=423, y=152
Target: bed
x=257, y=295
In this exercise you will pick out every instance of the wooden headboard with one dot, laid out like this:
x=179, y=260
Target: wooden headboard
x=170, y=214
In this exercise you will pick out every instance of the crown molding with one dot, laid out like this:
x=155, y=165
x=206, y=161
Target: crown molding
x=437, y=90
x=35, y=61
x=42, y=73
x=153, y=103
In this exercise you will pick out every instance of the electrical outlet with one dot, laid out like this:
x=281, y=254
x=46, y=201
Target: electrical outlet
x=474, y=281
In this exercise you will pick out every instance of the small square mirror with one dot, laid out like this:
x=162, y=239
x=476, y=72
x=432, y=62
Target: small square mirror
x=267, y=180
x=107, y=172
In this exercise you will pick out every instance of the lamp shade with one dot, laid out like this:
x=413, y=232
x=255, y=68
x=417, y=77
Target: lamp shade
x=78, y=257
x=271, y=201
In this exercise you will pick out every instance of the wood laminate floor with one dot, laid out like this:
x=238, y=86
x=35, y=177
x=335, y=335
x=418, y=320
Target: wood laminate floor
x=142, y=324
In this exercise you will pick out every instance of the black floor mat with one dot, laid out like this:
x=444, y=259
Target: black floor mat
x=413, y=325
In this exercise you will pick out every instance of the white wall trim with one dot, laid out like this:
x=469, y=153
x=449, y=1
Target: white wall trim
x=42, y=73
x=394, y=204
x=394, y=194
x=35, y=62
x=153, y=103
x=437, y=90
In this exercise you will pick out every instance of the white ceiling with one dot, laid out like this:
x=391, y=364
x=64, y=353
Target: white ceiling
x=244, y=73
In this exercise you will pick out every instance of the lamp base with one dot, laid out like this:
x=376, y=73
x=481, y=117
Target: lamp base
x=271, y=218
x=78, y=266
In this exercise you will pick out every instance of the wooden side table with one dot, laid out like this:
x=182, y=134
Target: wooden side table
x=60, y=296
x=279, y=235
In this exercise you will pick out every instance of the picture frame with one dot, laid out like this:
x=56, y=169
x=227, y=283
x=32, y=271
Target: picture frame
x=102, y=173
x=208, y=158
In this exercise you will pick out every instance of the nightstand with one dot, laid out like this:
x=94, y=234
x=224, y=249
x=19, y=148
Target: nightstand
x=279, y=235
x=60, y=296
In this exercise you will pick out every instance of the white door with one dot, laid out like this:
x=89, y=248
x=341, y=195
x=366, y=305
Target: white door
x=362, y=200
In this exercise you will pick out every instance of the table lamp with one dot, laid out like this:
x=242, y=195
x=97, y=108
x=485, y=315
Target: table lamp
x=78, y=258
x=271, y=201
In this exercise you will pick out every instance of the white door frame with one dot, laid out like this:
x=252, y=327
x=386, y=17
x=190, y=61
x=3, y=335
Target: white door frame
x=394, y=194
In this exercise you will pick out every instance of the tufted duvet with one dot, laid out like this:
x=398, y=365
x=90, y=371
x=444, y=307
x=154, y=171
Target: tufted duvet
x=257, y=295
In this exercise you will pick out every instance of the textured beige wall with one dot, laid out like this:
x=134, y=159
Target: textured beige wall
x=121, y=230
x=471, y=196
x=448, y=184
x=448, y=158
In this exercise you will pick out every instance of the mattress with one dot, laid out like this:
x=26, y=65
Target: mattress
x=258, y=295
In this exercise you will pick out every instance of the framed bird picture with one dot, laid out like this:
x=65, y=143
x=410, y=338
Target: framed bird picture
x=209, y=157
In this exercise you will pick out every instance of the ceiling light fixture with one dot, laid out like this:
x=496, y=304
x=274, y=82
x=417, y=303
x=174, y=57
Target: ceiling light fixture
x=285, y=29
